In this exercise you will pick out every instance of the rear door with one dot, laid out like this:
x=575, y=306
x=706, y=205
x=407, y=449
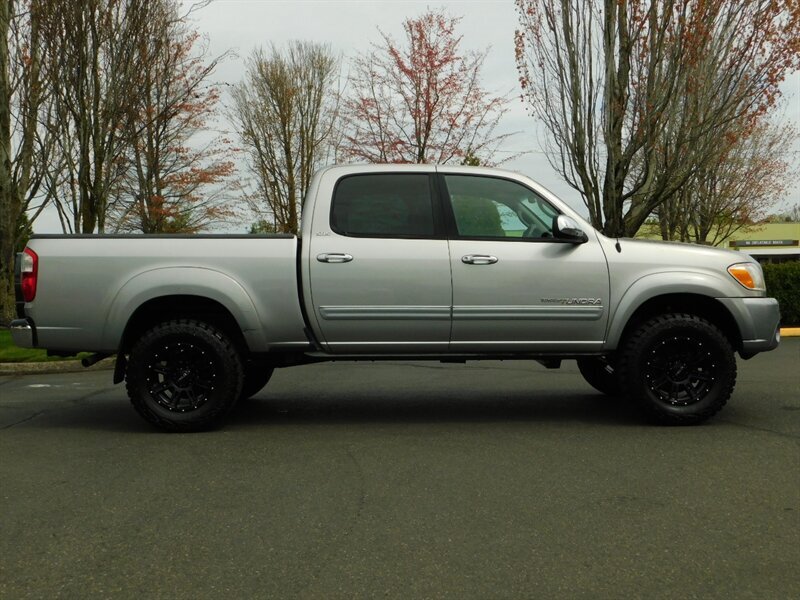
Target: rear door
x=379, y=267
x=515, y=287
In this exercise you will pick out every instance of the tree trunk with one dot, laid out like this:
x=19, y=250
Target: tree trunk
x=9, y=201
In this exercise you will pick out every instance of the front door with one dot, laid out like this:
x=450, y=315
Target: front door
x=515, y=287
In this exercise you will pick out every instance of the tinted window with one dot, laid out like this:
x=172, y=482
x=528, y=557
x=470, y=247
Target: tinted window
x=498, y=208
x=383, y=205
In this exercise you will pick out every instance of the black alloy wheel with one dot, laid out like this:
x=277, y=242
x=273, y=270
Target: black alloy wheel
x=181, y=375
x=680, y=368
x=184, y=375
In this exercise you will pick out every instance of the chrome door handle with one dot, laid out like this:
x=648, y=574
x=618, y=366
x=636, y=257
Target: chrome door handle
x=478, y=259
x=334, y=257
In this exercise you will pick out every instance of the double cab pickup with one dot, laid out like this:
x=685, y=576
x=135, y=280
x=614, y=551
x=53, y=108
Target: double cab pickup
x=417, y=262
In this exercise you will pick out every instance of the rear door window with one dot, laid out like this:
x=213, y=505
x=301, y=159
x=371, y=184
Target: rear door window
x=384, y=205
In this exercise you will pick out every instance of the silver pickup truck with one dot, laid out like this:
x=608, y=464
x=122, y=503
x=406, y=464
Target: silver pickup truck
x=395, y=262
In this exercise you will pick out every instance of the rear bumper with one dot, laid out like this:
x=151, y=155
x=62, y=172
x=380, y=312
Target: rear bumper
x=23, y=333
x=759, y=323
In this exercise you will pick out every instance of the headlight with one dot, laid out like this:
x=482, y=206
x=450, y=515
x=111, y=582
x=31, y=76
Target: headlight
x=749, y=275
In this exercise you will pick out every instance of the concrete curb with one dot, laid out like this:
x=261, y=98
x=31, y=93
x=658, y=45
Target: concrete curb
x=74, y=366
x=46, y=368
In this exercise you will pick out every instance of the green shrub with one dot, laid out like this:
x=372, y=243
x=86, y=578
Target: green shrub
x=783, y=283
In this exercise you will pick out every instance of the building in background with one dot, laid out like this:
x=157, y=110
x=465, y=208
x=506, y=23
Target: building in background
x=769, y=243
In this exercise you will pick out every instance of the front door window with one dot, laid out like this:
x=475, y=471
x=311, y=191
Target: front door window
x=494, y=208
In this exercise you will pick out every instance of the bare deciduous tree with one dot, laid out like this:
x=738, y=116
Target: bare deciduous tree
x=637, y=94
x=92, y=48
x=170, y=184
x=285, y=111
x=421, y=100
x=751, y=176
x=98, y=100
x=786, y=215
x=25, y=141
x=8, y=200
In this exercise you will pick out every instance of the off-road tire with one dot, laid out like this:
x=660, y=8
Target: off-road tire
x=600, y=374
x=184, y=375
x=256, y=376
x=679, y=368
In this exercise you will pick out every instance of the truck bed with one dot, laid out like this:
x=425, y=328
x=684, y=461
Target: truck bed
x=253, y=276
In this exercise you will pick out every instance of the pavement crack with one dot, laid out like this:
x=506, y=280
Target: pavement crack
x=21, y=421
x=362, y=496
x=72, y=402
x=762, y=429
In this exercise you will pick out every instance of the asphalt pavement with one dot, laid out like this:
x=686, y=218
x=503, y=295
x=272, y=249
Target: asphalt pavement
x=402, y=480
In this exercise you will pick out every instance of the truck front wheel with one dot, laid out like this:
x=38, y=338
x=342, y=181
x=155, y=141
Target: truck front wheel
x=184, y=375
x=679, y=368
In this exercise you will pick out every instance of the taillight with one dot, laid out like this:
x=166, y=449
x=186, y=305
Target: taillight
x=29, y=272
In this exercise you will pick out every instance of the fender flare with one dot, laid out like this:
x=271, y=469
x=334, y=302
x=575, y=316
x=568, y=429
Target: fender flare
x=183, y=281
x=660, y=284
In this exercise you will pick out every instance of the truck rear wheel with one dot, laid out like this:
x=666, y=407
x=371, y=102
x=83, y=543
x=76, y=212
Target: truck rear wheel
x=679, y=368
x=184, y=375
x=600, y=374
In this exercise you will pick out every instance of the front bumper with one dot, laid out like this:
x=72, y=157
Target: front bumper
x=759, y=323
x=23, y=333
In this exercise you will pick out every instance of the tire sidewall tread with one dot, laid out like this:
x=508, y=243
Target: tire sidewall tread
x=632, y=381
x=212, y=414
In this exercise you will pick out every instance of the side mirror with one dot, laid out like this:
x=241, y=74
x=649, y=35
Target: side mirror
x=565, y=228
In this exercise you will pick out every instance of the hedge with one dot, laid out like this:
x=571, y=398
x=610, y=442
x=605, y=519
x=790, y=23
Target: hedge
x=783, y=283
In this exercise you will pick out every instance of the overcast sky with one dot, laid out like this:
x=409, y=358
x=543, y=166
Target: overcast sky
x=349, y=26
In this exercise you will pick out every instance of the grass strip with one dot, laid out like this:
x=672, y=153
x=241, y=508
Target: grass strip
x=9, y=353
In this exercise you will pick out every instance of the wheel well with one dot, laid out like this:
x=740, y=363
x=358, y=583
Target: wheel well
x=695, y=304
x=165, y=308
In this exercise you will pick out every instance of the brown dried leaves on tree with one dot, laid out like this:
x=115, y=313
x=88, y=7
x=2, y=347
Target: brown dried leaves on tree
x=171, y=184
x=95, y=122
x=640, y=96
x=736, y=192
x=420, y=100
x=130, y=91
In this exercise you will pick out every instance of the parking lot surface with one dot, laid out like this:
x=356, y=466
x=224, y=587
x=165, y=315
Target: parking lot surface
x=402, y=480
